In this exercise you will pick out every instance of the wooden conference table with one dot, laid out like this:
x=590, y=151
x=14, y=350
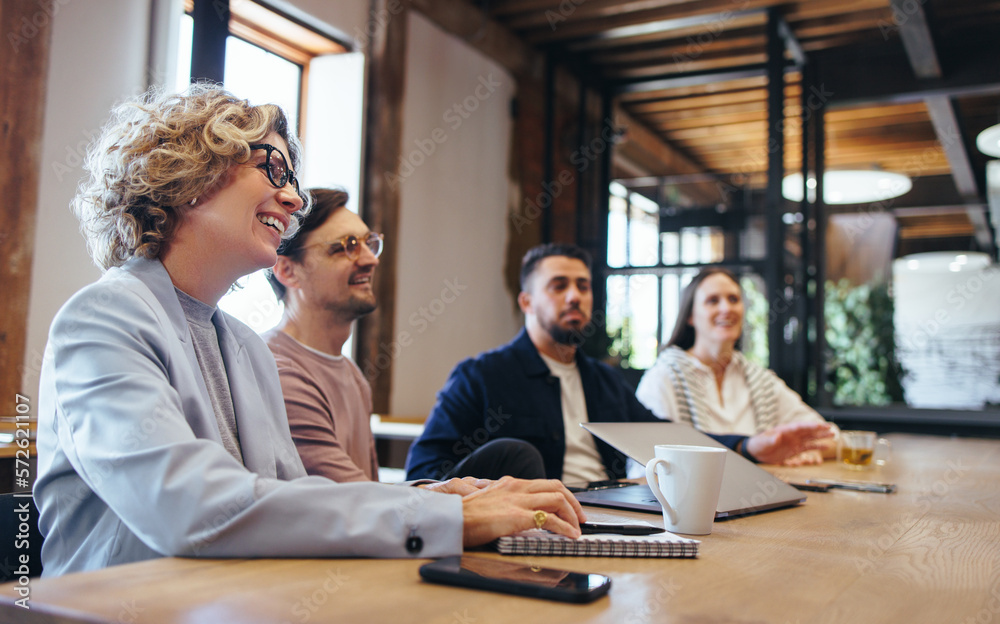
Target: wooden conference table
x=928, y=553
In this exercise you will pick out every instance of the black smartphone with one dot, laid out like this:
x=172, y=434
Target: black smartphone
x=516, y=578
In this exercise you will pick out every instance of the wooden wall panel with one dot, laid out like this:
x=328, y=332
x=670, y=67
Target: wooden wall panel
x=383, y=135
x=27, y=32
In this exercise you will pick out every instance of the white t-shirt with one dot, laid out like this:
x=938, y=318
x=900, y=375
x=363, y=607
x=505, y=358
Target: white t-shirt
x=582, y=461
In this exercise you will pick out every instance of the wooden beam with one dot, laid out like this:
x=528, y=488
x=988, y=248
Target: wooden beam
x=685, y=99
x=27, y=28
x=497, y=42
x=705, y=62
x=505, y=8
x=683, y=24
x=645, y=147
x=567, y=21
x=380, y=208
x=684, y=80
x=736, y=29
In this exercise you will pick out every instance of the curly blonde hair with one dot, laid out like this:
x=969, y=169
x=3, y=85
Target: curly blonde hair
x=156, y=154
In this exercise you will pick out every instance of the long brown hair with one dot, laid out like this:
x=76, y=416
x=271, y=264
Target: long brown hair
x=683, y=335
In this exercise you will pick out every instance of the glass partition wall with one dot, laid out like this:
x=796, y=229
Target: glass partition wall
x=655, y=247
x=901, y=330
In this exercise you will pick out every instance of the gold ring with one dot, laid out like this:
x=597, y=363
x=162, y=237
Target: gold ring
x=540, y=518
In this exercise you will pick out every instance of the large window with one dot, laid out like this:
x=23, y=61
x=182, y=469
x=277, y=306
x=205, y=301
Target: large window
x=272, y=59
x=654, y=249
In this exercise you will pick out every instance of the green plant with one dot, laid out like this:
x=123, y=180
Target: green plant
x=861, y=365
x=755, y=319
x=620, y=347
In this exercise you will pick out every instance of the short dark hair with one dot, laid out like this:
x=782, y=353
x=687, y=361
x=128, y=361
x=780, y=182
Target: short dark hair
x=324, y=202
x=536, y=254
x=683, y=335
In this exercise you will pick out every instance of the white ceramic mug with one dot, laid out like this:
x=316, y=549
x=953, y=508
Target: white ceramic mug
x=687, y=481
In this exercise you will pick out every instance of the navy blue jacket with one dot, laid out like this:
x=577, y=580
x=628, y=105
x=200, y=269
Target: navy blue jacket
x=510, y=393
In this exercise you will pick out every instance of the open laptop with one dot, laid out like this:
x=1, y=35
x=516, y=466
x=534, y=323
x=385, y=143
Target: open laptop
x=746, y=488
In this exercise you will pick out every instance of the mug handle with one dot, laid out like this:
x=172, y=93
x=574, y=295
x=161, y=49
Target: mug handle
x=653, y=480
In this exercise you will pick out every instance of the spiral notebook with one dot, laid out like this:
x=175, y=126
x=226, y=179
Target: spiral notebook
x=542, y=542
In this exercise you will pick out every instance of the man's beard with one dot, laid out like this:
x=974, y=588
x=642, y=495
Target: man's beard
x=569, y=337
x=353, y=309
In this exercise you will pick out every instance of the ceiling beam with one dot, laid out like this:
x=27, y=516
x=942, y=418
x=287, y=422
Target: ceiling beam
x=869, y=76
x=917, y=39
x=922, y=53
x=949, y=134
x=689, y=79
x=977, y=216
x=497, y=42
x=663, y=26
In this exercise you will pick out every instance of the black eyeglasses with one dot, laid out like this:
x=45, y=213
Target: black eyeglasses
x=275, y=165
x=351, y=245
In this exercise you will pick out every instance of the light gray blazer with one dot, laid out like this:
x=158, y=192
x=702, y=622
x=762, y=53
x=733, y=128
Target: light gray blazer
x=131, y=465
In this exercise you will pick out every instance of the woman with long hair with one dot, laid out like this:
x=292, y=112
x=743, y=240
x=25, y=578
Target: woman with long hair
x=701, y=377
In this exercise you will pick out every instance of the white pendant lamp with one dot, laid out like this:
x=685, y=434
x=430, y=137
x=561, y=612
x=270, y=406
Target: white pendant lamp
x=988, y=141
x=850, y=187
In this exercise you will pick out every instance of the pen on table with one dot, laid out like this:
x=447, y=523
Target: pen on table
x=589, y=528
x=861, y=486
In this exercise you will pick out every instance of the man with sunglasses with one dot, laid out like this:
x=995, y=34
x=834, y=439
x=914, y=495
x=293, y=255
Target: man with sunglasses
x=324, y=277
